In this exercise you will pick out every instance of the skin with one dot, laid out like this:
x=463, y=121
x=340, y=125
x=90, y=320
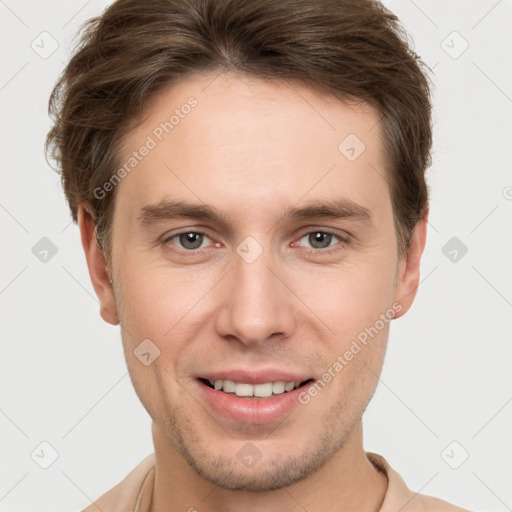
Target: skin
x=252, y=148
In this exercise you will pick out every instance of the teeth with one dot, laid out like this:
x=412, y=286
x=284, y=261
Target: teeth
x=278, y=387
x=244, y=389
x=262, y=390
x=259, y=390
x=289, y=386
x=228, y=386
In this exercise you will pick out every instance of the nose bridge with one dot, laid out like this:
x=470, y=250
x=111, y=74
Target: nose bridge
x=257, y=304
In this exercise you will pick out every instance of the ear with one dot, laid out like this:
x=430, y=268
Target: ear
x=408, y=277
x=97, y=265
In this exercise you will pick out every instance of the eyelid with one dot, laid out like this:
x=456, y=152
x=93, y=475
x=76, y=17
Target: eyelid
x=167, y=237
x=343, y=238
x=327, y=230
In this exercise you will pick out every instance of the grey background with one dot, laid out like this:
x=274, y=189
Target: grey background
x=447, y=376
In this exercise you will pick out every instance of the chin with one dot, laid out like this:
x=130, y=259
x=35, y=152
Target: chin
x=269, y=476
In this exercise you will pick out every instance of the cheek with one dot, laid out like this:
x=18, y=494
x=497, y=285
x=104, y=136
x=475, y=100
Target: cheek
x=155, y=298
x=153, y=313
x=352, y=298
x=168, y=306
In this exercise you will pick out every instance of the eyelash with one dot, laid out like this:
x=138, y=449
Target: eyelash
x=342, y=242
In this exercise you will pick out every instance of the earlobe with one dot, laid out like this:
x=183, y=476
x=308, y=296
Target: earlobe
x=97, y=266
x=408, y=278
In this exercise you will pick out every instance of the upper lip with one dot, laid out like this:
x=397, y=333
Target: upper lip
x=255, y=376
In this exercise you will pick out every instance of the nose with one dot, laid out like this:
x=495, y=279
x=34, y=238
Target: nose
x=257, y=302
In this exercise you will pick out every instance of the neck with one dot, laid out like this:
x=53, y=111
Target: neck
x=348, y=481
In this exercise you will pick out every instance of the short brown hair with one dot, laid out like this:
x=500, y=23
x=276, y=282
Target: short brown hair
x=354, y=49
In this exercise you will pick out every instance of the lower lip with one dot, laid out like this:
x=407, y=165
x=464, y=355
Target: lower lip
x=253, y=411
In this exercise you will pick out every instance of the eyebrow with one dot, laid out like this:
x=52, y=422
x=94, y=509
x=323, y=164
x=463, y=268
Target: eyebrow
x=331, y=209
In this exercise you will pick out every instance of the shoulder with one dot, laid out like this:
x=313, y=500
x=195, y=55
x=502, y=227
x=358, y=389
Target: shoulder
x=129, y=494
x=400, y=497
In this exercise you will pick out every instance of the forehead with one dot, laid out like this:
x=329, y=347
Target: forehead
x=249, y=143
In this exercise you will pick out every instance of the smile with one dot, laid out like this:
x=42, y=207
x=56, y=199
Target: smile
x=242, y=389
x=261, y=401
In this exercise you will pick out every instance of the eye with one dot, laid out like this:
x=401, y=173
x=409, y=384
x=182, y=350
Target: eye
x=319, y=240
x=189, y=240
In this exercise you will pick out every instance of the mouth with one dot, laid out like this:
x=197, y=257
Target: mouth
x=261, y=401
x=254, y=391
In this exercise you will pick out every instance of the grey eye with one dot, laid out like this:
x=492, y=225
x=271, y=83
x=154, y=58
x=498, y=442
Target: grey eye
x=191, y=240
x=319, y=239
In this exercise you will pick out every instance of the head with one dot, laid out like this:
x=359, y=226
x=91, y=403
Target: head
x=248, y=177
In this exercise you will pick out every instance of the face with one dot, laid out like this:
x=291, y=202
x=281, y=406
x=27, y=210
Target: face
x=254, y=247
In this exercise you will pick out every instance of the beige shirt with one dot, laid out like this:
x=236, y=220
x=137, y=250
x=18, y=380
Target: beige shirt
x=133, y=494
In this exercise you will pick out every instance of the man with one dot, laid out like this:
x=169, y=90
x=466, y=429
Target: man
x=248, y=179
